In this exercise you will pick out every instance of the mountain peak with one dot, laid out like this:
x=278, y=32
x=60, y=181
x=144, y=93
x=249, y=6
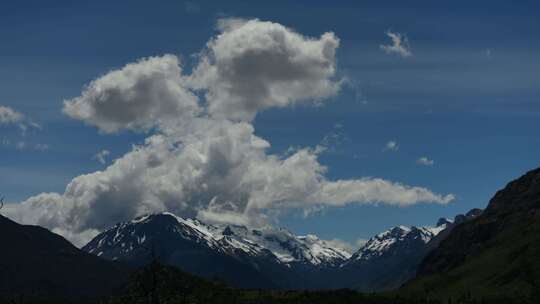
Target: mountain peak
x=124, y=239
x=390, y=240
x=443, y=222
x=517, y=193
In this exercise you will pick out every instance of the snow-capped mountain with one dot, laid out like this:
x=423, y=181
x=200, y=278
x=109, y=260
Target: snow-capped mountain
x=389, y=258
x=287, y=248
x=268, y=256
x=398, y=239
x=263, y=256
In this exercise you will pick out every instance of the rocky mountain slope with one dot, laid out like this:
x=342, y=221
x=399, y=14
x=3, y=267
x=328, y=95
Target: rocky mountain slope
x=390, y=258
x=265, y=257
x=244, y=257
x=494, y=255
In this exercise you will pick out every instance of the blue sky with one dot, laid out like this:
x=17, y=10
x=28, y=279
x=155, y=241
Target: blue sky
x=467, y=98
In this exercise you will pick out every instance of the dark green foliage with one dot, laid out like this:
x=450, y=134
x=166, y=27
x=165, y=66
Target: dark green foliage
x=496, y=255
x=176, y=287
x=157, y=283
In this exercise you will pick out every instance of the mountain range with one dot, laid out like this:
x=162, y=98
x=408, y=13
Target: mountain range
x=267, y=257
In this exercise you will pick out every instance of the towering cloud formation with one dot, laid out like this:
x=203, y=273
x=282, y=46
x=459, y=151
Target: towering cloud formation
x=203, y=158
x=254, y=65
x=139, y=96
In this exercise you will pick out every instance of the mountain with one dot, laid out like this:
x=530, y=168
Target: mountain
x=38, y=263
x=450, y=225
x=493, y=255
x=390, y=258
x=267, y=257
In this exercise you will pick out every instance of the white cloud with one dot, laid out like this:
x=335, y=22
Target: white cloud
x=360, y=243
x=391, y=146
x=101, y=156
x=202, y=160
x=23, y=145
x=10, y=116
x=341, y=244
x=140, y=96
x=425, y=161
x=349, y=247
x=41, y=147
x=253, y=65
x=400, y=45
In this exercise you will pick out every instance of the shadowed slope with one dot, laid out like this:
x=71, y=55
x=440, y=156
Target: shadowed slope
x=495, y=254
x=35, y=262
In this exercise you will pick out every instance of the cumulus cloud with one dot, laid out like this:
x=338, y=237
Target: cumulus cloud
x=142, y=95
x=101, y=156
x=203, y=158
x=400, y=45
x=391, y=146
x=9, y=116
x=253, y=65
x=425, y=161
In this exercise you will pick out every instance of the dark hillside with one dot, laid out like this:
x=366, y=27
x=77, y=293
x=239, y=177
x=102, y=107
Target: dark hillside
x=495, y=254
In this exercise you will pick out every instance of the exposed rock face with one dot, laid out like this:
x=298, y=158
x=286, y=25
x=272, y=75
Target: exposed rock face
x=494, y=253
x=267, y=257
x=390, y=258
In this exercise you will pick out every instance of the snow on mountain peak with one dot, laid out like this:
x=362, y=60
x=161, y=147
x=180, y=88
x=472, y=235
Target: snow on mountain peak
x=398, y=236
x=230, y=239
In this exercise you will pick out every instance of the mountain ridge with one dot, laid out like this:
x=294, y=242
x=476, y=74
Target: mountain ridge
x=494, y=254
x=39, y=263
x=270, y=257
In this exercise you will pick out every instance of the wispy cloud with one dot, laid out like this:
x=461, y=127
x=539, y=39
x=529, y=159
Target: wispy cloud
x=391, y=146
x=10, y=116
x=350, y=247
x=23, y=145
x=101, y=156
x=41, y=147
x=425, y=161
x=400, y=45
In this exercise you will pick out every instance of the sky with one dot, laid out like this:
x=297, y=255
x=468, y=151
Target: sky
x=389, y=113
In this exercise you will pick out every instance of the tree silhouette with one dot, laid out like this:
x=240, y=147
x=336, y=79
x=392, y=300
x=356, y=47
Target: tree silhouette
x=152, y=293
